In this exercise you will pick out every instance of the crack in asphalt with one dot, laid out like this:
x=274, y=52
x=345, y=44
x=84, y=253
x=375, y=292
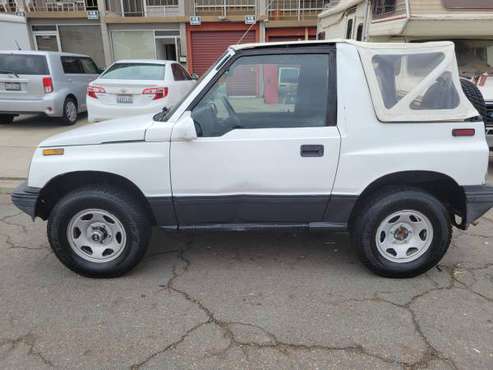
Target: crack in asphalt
x=30, y=341
x=430, y=354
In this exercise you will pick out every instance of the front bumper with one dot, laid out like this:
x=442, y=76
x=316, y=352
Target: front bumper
x=26, y=198
x=479, y=199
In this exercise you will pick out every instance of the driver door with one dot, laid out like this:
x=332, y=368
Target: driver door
x=267, y=148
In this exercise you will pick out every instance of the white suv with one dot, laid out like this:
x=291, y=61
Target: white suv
x=395, y=158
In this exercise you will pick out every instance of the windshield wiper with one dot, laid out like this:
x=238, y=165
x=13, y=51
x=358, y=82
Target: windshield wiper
x=4, y=71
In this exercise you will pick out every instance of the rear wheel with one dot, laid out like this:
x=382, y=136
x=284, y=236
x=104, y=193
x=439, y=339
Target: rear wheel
x=6, y=118
x=69, y=111
x=99, y=232
x=401, y=232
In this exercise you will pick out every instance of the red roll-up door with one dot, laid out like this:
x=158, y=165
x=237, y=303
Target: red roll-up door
x=207, y=46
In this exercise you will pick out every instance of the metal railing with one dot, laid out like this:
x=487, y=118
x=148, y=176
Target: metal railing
x=295, y=9
x=143, y=8
x=33, y=6
x=224, y=7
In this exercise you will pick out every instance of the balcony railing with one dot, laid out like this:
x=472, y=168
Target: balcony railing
x=47, y=6
x=224, y=7
x=295, y=9
x=143, y=8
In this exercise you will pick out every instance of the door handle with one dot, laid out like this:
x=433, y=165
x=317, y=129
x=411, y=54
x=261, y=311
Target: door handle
x=312, y=150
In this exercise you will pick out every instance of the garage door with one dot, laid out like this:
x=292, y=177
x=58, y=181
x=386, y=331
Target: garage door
x=207, y=46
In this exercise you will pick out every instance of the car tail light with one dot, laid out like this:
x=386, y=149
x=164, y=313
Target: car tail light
x=93, y=90
x=158, y=92
x=463, y=132
x=47, y=85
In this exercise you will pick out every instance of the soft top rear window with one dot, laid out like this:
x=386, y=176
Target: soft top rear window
x=134, y=71
x=23, y=64
x=415, y=82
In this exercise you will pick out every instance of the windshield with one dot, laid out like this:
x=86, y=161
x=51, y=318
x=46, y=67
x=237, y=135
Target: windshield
x=134, y=71
x=166, y=114
x=23, y=64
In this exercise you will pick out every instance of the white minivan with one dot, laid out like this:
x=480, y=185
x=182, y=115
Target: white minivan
x=133, y=87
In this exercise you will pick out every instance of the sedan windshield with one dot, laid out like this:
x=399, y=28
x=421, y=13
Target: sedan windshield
x=134, y=71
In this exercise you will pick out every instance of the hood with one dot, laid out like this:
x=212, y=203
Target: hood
x=122, y=129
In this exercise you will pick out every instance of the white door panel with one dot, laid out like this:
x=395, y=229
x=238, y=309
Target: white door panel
x=256, y=161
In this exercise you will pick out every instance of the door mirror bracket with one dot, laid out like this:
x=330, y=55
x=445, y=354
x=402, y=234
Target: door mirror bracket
x=184, y=129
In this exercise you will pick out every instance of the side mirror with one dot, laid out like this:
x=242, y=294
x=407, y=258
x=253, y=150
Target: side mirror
x=184, y=129
x=195, y=76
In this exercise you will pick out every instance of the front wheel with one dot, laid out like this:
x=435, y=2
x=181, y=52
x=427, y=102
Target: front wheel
x=401, y=232
x=99, y=232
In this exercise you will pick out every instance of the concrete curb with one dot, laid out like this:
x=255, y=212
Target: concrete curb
x=8, y=184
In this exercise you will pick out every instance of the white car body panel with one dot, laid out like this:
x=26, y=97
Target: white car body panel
x=256, y=161
x=118, y=130
x=371, y=149
x=135, y=161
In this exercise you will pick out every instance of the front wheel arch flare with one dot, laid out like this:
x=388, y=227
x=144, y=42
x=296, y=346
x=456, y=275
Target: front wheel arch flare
x=62, y=184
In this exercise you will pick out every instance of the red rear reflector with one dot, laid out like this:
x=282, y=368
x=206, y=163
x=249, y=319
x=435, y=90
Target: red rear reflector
x=158, y=92
x=47, y=85
x=93, y=90
x=463, y=132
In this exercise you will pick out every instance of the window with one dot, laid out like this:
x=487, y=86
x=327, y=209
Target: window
x=321, y=36
x=266, y=91
x=24, y=64
x=135, y=71
x=359, y=32
x=89, y=66
x=398, y=75
x=349, y=30
x=85, y=40
x=133, y=45
x=179, y=73
x=383, y=7
x=72, y=65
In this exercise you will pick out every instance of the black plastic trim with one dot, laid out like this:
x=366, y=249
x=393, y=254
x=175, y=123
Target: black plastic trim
x=479, y=200
x=339, y=208
x=164, y=211
x=257, y=209
x=25, y=198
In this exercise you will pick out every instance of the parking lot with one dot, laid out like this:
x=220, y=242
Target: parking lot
x=236, y=300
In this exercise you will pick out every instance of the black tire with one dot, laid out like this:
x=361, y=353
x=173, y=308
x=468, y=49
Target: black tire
x=6, y=118
x=384, y=204
x=476, y=98
x=129, y=212
x=68, y=118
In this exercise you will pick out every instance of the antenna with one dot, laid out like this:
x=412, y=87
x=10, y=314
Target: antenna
x=18, y=46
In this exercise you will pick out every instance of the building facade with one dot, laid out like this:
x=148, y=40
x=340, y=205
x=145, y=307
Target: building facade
x=193, y=32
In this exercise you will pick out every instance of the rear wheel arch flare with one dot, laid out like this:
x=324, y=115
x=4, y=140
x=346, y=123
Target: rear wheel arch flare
x=442, y=186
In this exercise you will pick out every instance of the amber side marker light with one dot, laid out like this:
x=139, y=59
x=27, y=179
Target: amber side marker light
x=57, y=151
x=463, y=132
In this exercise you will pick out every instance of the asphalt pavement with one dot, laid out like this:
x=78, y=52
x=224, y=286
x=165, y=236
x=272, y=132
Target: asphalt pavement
x=240, y=301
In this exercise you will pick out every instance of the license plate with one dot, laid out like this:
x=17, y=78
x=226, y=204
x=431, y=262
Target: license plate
x=124, y=99
x=12, y=86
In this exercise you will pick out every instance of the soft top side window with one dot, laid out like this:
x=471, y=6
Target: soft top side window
x=267, y=91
